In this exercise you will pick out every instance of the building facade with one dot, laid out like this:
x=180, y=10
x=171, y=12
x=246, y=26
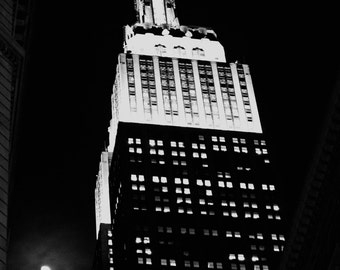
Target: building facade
x=314, y=238
x=186, y=181
x=14, y=20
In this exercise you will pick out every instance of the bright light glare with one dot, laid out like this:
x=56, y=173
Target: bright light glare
x=45, y=267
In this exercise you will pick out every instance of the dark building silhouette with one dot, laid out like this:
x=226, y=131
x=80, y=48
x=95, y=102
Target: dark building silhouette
x=14, y=21
x=103, y=253
x=186, y=181
x=314, y=239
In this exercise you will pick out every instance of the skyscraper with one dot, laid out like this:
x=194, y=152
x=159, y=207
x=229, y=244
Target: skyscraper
x=314, y=238
x=186, y=181
x=14, y=20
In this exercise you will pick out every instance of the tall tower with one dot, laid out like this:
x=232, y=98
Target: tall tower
x=186, y=181
x=14, y=32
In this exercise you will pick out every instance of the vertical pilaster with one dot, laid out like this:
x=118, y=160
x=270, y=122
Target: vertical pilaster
x=123, y=89
x=201, y=111
x=138, y=85
x=223, y=121
x=179, y=92
x=256, y=124
x=238, y=95
x=160, y=104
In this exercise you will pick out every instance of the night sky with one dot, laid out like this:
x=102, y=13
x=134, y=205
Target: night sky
x=293, y=55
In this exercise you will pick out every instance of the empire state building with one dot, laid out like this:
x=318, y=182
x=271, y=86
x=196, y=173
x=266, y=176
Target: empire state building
x=186, y=181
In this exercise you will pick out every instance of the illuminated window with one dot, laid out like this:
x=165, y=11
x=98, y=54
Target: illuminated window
x=202, y=201
x=276, y=207
x=244, y=150
x=240, y=257
x=254, y=258
x=259, y=236
x=251, y=186
x=243, y=185
x=264, y=187
x=232, y=257
x=234, y=214
x=271, y=187
x=199, y=182
x=223, y=148
x=229, y=184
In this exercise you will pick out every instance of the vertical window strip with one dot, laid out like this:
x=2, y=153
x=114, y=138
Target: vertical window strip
x=131, y=83
x=169, y=90
x=189, y=93
x=244, y=93
x=228, y=92
x=208, y=94
x=148, y=87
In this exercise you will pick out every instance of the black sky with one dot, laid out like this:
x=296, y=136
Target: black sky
x=293, y=56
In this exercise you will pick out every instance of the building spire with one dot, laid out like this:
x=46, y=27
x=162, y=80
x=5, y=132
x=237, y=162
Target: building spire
x=157, y=12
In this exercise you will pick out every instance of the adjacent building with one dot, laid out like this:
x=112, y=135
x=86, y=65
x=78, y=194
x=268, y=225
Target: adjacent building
x=14, y=20
x=186, y=181
x=314, y=238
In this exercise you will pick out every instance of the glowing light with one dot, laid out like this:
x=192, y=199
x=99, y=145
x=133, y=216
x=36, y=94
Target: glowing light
x=45, y=267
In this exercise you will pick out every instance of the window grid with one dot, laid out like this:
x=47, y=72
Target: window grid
x=131, y=83
x=208, y=94
x=148, y=87
x=169, y=90
x=189, y=92
x=228, y=92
